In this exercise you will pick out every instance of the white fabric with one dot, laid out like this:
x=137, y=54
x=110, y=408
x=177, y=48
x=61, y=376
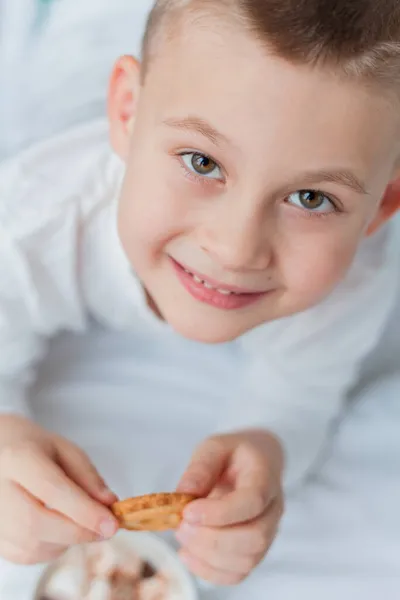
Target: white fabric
x=341, y=535
x=61, y=260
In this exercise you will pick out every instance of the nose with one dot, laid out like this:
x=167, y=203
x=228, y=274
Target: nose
x=237, y=242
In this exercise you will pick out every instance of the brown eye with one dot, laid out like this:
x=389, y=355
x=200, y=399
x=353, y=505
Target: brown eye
x=203, y=165
x=312, y=201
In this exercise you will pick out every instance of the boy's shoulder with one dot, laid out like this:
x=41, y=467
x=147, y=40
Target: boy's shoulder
x=71, y=171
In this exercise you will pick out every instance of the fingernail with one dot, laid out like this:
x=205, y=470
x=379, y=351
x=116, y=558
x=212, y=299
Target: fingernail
x=108, y=528
x=185, y=533
x=109, y=495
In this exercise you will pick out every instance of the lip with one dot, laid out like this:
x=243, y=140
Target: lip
x=234, y=299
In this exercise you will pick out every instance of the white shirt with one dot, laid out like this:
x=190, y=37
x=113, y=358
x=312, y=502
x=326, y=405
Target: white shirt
x=61, y=263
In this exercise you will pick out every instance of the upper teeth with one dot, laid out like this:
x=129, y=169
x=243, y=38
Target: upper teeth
x=208, y=285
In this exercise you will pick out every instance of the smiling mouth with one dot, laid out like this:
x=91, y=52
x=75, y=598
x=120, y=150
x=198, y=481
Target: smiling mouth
x=210, y=284
x=214, y=293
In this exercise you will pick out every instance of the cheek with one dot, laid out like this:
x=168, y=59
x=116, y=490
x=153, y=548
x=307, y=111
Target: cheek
x=314, y=267
x=152, y=212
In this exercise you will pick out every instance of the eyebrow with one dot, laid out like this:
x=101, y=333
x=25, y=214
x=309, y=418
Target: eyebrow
x=199, y=125
x=342, y=177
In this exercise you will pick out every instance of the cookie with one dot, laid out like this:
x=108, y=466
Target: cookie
x=154, y=512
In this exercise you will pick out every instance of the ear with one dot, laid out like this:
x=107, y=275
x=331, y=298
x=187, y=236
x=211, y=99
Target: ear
x=123, y=95
x=390, y=204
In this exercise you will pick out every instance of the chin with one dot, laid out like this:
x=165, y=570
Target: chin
x=205, y=334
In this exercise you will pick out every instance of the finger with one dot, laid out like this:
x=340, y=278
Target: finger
x=252, y=470
x=206, y=467
x=231, y=559
x=77, y=465
x=45, y=480
x=208, y=573
x=31, y=524
x=230, y=562
x=240, y=506
x=252, y=539
x=48, y=526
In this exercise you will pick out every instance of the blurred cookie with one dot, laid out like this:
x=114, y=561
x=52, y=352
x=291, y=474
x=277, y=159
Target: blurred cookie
x=154, y=512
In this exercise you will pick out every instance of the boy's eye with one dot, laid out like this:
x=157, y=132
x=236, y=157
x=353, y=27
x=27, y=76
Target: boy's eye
x=312, y=201
x=201, y=164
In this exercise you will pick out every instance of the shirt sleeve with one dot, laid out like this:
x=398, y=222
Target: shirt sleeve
x=300, y=370
x=39, y=288
x=55, y=220
x=20, y=346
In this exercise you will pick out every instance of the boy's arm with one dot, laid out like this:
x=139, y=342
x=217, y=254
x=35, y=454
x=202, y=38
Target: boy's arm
x=301, y=370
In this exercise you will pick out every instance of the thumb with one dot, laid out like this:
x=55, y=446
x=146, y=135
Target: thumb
x=206, y=467
x=78, y=467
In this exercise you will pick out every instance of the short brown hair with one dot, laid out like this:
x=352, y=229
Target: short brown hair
x=360, y=37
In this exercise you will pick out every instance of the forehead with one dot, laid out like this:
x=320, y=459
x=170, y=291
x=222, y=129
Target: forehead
x=221, y=74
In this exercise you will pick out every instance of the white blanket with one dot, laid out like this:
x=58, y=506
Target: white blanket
x=341, y=535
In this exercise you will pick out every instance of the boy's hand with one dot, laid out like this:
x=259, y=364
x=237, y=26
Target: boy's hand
x=226, y=535
x=51, y=496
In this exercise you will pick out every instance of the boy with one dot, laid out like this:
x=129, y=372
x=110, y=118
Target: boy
x=255, y=160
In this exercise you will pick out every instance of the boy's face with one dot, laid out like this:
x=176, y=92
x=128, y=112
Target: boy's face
x=245, y=174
